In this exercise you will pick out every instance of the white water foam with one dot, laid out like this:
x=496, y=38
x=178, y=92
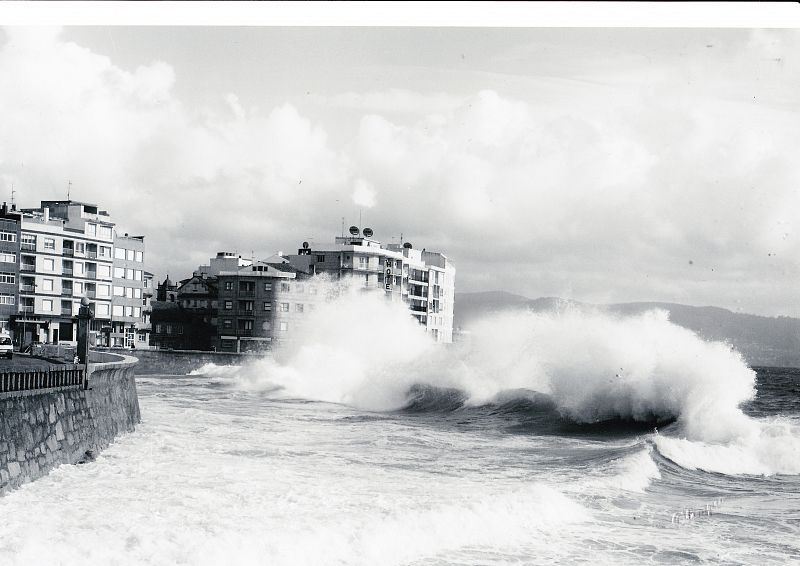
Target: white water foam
x=364, y=351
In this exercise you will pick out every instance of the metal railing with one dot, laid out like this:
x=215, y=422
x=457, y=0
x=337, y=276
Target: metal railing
x=42, y=379
x=27, y=288
x=27, y=267
x=69, y=252
x=66, y=291
x=26, y=308
x=91, y=255
x=28, y=246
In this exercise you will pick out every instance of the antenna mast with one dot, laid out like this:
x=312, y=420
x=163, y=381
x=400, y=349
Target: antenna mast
x=69, y=188
x=13, y=197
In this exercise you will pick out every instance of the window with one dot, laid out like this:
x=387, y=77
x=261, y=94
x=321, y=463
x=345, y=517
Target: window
x=6, y=299
x=137, y=275
x=102, y=309
x=91, y=229
x=268, y=286
x=118, y=310
x=80, y=247
x=139, y=256
x=119, y=291
x=362, y=262
x=284, y=307
x=8, y=237
x=298, y=307
x=137, y=293
x=119, y=253
x=245, y=324
x=227, y=323
x=49, y=264
x=246, y=305
x=78, y=286
x=129, y=292
x=47, y=284
x=137, y=312
x=229, y=285
x=105, y=232
x=49, y=244
x=320, y=258
x=8, y=258
x=228, y=305
x=104, y=271
x=128, y=311
x=119, y=273
x=129, y=274
x=47, y=305
x=8, y=278
x=130, y=255
x=169, y=329
x=105, y=251
x=267, y=306
x=160, y=328
x=285, y=287
x=284, y=326
x=103, y=290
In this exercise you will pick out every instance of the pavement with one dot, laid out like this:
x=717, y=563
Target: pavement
x=22, y=362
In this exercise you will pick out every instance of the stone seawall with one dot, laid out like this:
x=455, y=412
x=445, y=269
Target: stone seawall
x=42, y=429
x=176, y=362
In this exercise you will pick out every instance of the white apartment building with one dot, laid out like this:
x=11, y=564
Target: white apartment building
x=66, y=253
x=423, y=280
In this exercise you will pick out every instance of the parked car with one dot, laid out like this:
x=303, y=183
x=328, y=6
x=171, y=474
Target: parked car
x=6, y=347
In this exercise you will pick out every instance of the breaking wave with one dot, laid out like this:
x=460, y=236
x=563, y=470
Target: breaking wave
x=586, y=366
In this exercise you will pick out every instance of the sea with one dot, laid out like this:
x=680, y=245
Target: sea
x=570, y=437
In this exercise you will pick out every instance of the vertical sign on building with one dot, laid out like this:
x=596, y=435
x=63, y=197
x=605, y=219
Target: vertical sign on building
x=387, y=275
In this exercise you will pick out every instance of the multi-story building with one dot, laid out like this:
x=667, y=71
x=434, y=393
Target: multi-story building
x=66, y=252
x=423, y=280
x=197, y=296
x=9, y=266
x=128, y=289
x=258, y=304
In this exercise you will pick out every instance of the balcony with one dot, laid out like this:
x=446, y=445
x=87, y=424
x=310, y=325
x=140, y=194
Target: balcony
x=91, y=275
x=27, y=288
x=244, y=332
x=28, y=246
x=247, y=293
x=91, y=254
x=419, y=309
x=68, y=252
x=66, y=291
x=66, y=312
x=27, y=267
x=67, y=271
x=91, y=294
x=26, y=308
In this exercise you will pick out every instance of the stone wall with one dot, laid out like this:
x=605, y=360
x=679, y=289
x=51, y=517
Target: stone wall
x=42, y=429
x=176, y=362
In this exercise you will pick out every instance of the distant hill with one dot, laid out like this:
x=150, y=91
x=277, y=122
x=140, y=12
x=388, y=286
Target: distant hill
x=762, y=340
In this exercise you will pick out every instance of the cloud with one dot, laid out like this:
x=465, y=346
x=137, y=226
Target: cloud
x=605, y=193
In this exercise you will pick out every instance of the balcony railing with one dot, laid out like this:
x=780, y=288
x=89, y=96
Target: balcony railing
x=91, y=255
x=66, y=312
x=28, y=246
x=27, y=288
x=91, y=294
x=69, y=252
x=247, y=292
x=66, y=271
x=27, y=267
x=91, y=275
x=66, y=292
x=26, y=308
x=244, y=332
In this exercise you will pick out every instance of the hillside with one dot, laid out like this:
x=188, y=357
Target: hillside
x=769, y=341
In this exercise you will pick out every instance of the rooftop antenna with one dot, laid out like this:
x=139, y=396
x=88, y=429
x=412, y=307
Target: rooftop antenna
x=342, y=226
x=13, y=197
x=69, y=188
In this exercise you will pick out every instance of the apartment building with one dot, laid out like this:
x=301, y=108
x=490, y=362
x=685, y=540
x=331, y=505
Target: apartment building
x=424, y=280
x=258, y=304
x=128, y=292
x=66, y=252
x=9, y=266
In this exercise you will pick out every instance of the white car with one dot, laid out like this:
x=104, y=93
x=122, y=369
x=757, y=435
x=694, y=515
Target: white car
x=6, y=347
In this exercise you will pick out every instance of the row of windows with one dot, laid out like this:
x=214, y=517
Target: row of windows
x=248, y=287
x=8, y=278
x=169, y=329
x=129, y=255
x=8, y=236
x=267, y=306
x=121, y=310
x=8, y=258
x=227, y=324
x=128, y=292
x=7, y=299
x=98, y=230
x=132, y=274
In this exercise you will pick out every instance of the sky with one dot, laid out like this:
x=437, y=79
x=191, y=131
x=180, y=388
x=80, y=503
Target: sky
x=594, y=163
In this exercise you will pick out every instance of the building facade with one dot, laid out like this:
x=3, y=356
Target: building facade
x=10, y=221
x=128, y=289
x=424, y=280
x=66, y=252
